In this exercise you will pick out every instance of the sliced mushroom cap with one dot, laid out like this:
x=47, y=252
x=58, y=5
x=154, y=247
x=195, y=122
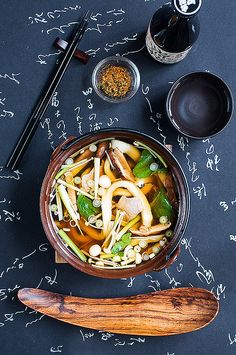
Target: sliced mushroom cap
x=170, y=191
x=102, y=147
x=145, y=231
x=107, y=169
x=87, y=154
x=129, y=149
x=120, y=163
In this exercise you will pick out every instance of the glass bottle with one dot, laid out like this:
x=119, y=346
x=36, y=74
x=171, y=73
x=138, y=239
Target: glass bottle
x=173, y=30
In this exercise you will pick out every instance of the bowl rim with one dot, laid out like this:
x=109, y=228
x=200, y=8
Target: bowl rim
x=136, y=77
x=58, y=245
x=230, y=99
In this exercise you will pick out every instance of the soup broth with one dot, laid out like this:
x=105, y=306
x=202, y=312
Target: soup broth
x=114, y=204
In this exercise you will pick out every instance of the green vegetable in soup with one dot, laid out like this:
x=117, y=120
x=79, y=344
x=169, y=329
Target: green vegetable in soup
x=155, y=154
x=161, y=206
x=146, y=165
x=142, y=168
x=86, y=207
x=119, y=246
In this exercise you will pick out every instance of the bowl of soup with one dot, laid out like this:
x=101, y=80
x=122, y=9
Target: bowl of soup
x=115, y=203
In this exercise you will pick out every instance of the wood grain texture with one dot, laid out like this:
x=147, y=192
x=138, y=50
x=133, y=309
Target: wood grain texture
x=159, y=313
x=59, y=259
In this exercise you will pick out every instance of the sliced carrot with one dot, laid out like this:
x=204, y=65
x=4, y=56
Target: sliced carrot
x=134, y=242
x=149, y=179
x=61, y=224
x=90, y=231
x=147, y=188
x=131, y=162
x=86, y=246
x=77, y=236
x=71, y=192
x=102, y=168
x=87, y=154
x=149, y=250
x=122, y=192
x=137, y=225
x=158, y=180
x=86, y=171
x=76, y=170
x=162, y=176
x=107, y=170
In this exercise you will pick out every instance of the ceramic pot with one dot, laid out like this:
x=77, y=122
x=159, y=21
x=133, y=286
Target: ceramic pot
x=168, y=254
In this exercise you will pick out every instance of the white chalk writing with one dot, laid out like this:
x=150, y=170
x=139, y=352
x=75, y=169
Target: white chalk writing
x=18, y=263
x=227, y=205
x=124, y=40
x=86, y=335
x=7, y=214
x=155, y=284
x=212, y=159
x=172, y=280
x=42, y=58
x=56, y=349
x=154, y=117
x=4, y=174
x=11, y=77
x=46, y=17
x=232, y=339
x=204, y=275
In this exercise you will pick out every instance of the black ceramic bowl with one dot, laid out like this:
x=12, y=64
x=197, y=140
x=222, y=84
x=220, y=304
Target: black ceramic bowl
x=199, y=105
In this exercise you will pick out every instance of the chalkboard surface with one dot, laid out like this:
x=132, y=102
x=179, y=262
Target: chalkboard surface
x=208, y=253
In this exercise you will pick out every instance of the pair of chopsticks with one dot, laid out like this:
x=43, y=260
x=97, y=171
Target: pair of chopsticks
x=33, y=122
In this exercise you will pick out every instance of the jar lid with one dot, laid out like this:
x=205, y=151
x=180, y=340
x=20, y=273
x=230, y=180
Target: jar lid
x=187, y=7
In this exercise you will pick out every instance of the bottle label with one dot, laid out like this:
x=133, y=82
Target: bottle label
x=160, y=55
x=187, y=7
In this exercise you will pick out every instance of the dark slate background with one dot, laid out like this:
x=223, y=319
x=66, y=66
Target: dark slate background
x=27, y=30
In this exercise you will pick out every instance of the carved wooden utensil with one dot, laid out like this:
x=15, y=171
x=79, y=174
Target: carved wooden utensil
x=159, y=313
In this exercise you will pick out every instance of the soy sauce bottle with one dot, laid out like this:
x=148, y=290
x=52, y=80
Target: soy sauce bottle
x=173, y=30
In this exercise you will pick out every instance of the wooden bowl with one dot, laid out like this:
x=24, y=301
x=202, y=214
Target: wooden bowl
x=167, y=255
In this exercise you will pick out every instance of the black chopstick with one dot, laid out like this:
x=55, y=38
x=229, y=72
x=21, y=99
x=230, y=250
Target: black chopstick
x=32, y=124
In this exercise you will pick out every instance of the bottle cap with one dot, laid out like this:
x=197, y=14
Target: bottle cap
x=187, y=7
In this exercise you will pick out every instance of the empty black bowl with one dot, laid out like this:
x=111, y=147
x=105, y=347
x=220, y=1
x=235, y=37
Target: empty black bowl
x=199, y=105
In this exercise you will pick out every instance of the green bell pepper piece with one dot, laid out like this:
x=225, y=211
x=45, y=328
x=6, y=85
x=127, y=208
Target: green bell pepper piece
x=161, y=206
x=119, y=246
x=86, y=208
x=142, y=168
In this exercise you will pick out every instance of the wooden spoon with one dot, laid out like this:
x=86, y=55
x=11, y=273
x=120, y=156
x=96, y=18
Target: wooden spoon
x=168, y=312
